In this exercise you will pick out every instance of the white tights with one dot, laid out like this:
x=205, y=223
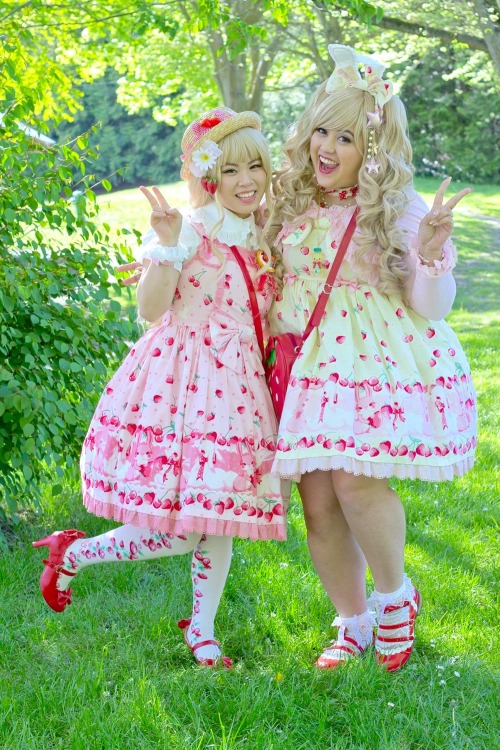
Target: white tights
x=209, y=568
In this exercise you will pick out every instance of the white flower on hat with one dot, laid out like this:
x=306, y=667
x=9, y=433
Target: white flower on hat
x=204, y=158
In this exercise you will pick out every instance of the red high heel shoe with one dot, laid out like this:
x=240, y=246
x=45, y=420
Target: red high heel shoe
x=57, y=543
x=224, y=660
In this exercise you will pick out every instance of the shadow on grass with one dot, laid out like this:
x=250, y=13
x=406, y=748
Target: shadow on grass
x=478, y=267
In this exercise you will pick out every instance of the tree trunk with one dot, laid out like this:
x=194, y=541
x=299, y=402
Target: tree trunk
x=491, y=30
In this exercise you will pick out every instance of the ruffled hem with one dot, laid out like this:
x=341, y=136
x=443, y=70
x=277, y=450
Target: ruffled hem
x=289, y=468
x=189, y=524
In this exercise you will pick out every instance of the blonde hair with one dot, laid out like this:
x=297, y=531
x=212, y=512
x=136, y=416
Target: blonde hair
x=244, y=145
x=382, y=197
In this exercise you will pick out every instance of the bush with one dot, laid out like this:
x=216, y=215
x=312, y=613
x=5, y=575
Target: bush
x=60, y=330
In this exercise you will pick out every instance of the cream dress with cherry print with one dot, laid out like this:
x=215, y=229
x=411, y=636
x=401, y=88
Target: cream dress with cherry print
x=378, y=390
x=183, y=438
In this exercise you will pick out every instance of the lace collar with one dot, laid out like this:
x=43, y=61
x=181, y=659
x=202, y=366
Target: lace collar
x=234, y=230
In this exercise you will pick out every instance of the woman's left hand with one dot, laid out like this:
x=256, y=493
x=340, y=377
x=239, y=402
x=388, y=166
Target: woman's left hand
x=436, y=226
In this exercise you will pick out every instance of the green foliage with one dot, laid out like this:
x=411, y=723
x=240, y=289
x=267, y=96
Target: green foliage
x=454, y=123
x=58, y=329
x=134, y=149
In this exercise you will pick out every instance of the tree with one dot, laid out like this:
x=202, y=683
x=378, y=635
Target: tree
x=281, y=50
x=133, y=149
x=58, y=326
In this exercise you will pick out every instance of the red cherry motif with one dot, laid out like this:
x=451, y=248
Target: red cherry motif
x=209, y=185
x=210, y=122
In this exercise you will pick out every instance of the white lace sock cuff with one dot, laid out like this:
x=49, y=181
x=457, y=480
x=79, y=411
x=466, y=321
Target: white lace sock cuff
x=378, y=601
x=167, y=256
x=359, y=627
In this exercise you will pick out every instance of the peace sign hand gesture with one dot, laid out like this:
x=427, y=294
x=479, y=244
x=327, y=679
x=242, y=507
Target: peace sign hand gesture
x=166, y=221
x=436, y=226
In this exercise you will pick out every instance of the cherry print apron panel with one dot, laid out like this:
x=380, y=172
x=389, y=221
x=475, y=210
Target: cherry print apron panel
x=377, y=390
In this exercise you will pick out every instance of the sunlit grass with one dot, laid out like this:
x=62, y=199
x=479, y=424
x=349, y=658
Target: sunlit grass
x=111, y=672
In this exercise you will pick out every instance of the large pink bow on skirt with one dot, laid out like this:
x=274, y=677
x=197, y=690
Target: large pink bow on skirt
x=235, y=346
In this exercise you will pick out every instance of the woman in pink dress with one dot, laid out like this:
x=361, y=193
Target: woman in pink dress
x=382, y=387
x=181, y=445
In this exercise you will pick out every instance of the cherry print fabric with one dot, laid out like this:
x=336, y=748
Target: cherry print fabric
x=378, y=389
x=210, y=564
x=183, y=438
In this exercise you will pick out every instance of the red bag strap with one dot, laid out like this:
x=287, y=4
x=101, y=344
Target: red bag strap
x=319, y=309
x=253, y=299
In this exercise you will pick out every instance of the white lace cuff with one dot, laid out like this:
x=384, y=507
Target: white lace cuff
x=446, y=263
x=167, y=256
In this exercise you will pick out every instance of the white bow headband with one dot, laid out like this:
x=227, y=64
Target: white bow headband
x=346, y=74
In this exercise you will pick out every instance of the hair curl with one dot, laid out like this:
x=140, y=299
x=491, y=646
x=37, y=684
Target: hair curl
x=382, y=197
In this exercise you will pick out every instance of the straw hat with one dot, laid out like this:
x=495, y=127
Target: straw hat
x=213, y=126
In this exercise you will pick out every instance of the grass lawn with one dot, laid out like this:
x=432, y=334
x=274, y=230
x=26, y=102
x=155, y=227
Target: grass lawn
x=112, y=673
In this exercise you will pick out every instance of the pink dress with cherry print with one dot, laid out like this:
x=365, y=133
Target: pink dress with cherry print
x=183, y=438
x=378, y=390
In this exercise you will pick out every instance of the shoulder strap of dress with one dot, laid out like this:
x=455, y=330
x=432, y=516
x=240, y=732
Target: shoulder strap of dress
x=253, y=298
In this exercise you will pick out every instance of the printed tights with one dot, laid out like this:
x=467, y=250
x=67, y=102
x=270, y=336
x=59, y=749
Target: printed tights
x=209, y=568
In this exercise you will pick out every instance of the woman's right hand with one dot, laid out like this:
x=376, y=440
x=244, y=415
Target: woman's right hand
x=165, y=221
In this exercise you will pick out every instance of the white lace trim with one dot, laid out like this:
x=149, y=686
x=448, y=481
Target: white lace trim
x=354, y=636
x=234, y=230
x=293, y=468
x=166, y=255
x=440, y=267
x=404, y=598
x=378, y=601
x=358, y=627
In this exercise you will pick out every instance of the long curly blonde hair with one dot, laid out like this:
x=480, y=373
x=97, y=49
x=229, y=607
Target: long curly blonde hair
x=382, y=197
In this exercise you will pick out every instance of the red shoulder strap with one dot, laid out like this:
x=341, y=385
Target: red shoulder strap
x=253, y=299
x=319, y=309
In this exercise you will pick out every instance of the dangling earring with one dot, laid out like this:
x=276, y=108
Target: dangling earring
x=374, y=123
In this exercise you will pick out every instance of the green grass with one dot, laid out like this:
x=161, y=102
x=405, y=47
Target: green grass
x=112, y=673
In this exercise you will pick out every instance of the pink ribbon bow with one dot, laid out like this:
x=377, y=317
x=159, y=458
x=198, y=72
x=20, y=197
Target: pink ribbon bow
x=232, y=345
